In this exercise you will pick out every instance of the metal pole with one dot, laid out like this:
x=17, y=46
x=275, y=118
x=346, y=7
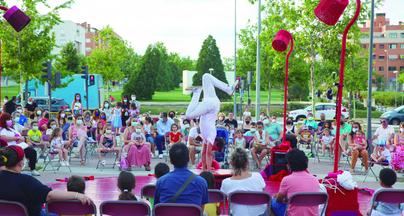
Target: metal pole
x=50, y=95
x=235, y=56
x=87, y=91
x=1, y=70
x=258, y=75
x=369, y=106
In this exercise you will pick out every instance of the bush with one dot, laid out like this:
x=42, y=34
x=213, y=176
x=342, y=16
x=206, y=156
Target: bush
x=388, y=98
x=298, y=92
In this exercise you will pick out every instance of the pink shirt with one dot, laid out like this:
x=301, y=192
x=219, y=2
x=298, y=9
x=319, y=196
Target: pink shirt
x=296, y=182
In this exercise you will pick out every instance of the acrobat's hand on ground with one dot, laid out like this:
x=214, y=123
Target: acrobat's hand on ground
x=234, y=87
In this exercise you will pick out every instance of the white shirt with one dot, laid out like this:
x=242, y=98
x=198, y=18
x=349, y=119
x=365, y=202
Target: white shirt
x=193, y=133
x=383, y=134
x=12, y=133
x=253, y=183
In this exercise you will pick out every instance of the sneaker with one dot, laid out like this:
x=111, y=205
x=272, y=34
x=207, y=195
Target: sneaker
x=62, y=163
x=35, y=173
x=160, y=156
x=103, y=162
x=67, y=163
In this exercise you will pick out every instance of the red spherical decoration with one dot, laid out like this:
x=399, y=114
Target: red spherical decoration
x=281, y=40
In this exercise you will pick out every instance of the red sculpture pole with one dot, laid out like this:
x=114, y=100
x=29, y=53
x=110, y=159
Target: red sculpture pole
x=341, y=84
x=3, y=8
x=280, y=43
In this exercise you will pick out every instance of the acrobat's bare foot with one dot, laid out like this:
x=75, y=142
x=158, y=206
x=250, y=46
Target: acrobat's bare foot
x=192, y=88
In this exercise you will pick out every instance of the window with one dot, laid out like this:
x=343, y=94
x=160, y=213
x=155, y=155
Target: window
x=88, y=40
x=393, y=35
x=381, y=57
x=374, y=56
x=381, y=68
x=401, y=56
x=393, y=57
x=401, y=68
x=402, y=46
x=381, y=46
x=393, y=46
x=329, y=107
x=402, y=35
x=320, y=107
x=392, y=68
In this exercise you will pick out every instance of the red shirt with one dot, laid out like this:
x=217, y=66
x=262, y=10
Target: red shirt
x=175, y=137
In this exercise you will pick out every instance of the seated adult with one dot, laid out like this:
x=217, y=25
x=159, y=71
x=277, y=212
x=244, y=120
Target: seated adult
x=23, y=120
x=26, y=189
x=261, y=143
x=195, y=188
x=163, y=126
x=139, y=153
x=357, y=143
x=247, y=124
x=310, y=122
x=299, y=181
x=12, y=137
x=194, y=141
x=16, y=116
x=243, y=180
x=273, y=128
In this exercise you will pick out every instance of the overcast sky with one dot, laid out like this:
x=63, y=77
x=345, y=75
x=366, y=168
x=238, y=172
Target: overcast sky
x=181, y=24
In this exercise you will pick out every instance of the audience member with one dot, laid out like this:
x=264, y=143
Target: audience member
x=247, y=124
x=387, y=179
x=30, y=106
x=243, y=180
x=357, y=142
x=194, y=141
x=76, y=184
x=310, y=122
x=384, y=132
x=175, y=136
x=26, y=189
x=161, y=169
x=78, y=137
x=232, y=122
x=138, y=151
x=239, y=141
x=327, y=141
x=58, y=145
x=220, y=122
x=107, y=144
x=261, y=143
x=322, y=121
x=211, y=209
x=77, y=105
x=163, y=127
x=181, y=185
x=23, y=120
x=398, y=149
x=10, y=106
x=300, y=180
x=381, y=154
x=126, y=183
x=273, y=129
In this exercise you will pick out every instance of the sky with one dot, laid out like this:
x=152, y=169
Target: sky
x=181, y=25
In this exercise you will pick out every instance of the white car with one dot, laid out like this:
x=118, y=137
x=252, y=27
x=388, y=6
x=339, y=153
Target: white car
x=327, y=108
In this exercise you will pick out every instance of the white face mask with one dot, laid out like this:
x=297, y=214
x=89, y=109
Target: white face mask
x=29, y=102
x=253, y=130
x=17, y=119
x=53, y=127
x=106, y=105
x=402, y=130
x=138, y=130
x=310, y=118
x=39, y=113
x=125, y=101
x=35, y=128
x=354, y=130
x=133, y=98
x=108, y=131
x=62, y=115
x=79, y=122
x=19, y=110
x=273, y=120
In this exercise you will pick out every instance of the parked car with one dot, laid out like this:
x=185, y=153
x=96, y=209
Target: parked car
x=327, y=108
x=395, y=116
x=57, y=104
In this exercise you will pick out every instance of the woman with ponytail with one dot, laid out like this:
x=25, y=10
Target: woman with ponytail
x=26, y=189
x=126, y=183
x=243, y=180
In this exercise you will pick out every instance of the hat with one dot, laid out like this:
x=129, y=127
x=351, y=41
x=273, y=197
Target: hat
x=18, y=150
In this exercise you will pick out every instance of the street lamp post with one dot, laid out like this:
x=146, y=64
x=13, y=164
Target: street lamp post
x=235, y=56
x=258, y=74
x=211, y=70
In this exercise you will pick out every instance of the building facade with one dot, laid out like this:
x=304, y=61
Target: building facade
x=91, y=36
x=69, y=31
x=388, y=48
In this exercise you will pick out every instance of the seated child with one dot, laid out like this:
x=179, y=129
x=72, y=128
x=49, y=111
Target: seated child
x=387, y=179
x=76, y=184
x=126, y=183
x=381, y=153
x=34, y=134
x=210, y=209
x=327, y=141
x=175, y=135
x=58, y=145
x=161, y=169
x=305, y=135
x=239, y=141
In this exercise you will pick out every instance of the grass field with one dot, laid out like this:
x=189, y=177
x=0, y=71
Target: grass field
x=177, y=96
x=9, y=91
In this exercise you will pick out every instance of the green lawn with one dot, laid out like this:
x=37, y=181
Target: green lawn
x=177, y=96
x=9, y=91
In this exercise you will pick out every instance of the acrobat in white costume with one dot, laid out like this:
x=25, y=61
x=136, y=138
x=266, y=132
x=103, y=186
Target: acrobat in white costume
x=207, y=111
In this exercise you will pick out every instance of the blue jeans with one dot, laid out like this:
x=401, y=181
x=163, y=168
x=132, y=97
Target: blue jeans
x=160, y=143
x=279, y=209
x=149, y=139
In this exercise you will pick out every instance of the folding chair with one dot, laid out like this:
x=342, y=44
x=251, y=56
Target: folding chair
x=371, y=164
x=169, y=209
x=52, y=157
x=9, y=208
x=387, y=195
x=250, y=198
x=70, y=207
x=167, y=145
x=124, y=208
x=309, y=199
x=105, y=153
x=217, y=196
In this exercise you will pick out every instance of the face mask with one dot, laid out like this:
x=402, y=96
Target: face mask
x=79, y=122
x=39, y=113
x=266, y=122
x=106, y=105
x=9, y=123
x=53, y=127
x=253, y=130
x=273, y=120
x=186, y=125
x=19, y=110
x=133, y=98
x=310, y=118
x=401, y=130
x=125, y=101
x=88, y=118
x=354, y=130
x=138, y=130
x=62, y=115
x=5, y=100
x=108, y=131
x=103, y=117
x=29, y=102
x=35, y=128
x=133, y=124
x=171, y=116
x=17, y=119
x=77, y=97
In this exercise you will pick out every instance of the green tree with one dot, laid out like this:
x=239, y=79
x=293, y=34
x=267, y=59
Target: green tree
x=143, y=82
x=24, y=52
x=209, y=57
x=68, y=60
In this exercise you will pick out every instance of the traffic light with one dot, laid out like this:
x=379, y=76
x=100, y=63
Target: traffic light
x=91, y=80
x=58, y=77
x=47, y=70
x=84, y=71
